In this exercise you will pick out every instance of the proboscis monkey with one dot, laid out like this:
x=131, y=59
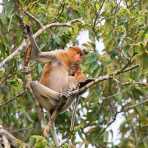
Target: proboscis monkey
x=60, y=74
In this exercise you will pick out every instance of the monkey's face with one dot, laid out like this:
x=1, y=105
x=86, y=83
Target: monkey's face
x=75, y=54
x=77, y=58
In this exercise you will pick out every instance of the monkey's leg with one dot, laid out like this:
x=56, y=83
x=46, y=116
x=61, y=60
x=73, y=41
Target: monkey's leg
x=51, y=127
x=43, y=91
x=53, y=114
x=48, y=127
x=51, y=124
x=52, y=118
x=47, y=98
x=40, y=113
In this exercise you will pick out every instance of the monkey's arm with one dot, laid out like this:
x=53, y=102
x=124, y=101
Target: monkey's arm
x=36, y=54
x=43, y=57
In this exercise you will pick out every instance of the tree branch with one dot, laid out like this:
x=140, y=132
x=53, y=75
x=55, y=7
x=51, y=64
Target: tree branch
x=61, y=9
x=102, y=78
x=68, y=98
x=33, y=18
x=124, y=108
x=13, y=140
x=55, y=136
x=98, y=13
x=26, y=42
x=5, y=142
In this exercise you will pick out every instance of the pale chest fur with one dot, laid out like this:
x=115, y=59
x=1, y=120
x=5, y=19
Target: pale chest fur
x=58, y=77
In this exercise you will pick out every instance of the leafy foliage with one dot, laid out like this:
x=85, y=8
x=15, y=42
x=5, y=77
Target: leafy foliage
x=122, y=26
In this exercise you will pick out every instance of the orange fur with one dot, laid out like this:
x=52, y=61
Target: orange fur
x=79, y=75
x=55, y=74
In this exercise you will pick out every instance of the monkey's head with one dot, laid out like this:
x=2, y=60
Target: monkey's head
x=75, y=53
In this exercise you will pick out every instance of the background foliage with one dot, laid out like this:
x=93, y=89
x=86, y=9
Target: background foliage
x=122, y=26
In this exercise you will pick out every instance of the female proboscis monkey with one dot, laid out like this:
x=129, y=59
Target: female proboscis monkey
x=61, y=73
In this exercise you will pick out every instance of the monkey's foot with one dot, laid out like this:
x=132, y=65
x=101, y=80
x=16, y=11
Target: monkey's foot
x=46, y=129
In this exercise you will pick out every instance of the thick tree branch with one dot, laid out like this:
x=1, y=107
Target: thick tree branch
x=26, y=42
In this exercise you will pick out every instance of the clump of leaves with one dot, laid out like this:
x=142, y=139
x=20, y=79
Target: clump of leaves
x=38, y=142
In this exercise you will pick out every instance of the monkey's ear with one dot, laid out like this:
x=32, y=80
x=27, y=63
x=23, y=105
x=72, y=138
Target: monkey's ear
x=85, y=82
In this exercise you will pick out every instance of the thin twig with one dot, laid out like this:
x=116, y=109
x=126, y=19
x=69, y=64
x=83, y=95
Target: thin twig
x=33, y=18
x=117, y=6
x=110, y=123
x=138, y=83
x=98, y=13
x=123, y=109
x=132, y=129
x=60, y=11
x=134, y=105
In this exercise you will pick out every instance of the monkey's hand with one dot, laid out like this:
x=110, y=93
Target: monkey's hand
x=66, y=94
x=69, y=98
